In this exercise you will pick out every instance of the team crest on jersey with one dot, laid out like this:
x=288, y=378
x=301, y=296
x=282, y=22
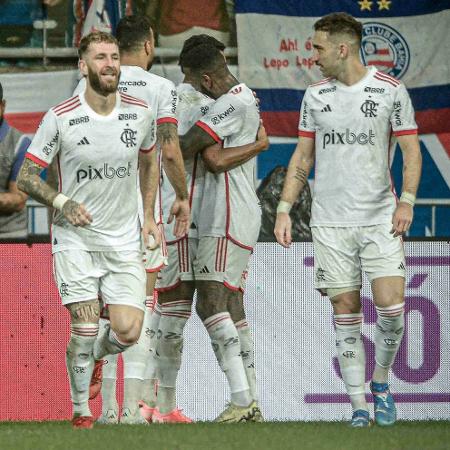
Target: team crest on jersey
x=369, y=108
x=128, y=137
x=385, y=48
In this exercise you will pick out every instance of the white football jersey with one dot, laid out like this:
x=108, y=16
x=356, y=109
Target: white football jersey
x=97, y=164
x=230, y=207
x=156, y=91
x=192, y=105
x=352, y=127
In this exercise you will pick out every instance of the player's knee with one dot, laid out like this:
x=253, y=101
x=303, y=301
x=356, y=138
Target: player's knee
x=345, y=300
x=128, y=329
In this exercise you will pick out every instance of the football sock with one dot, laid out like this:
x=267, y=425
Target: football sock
x=174, y=316
x=80, y=364
x=150, y=382
x=388, y=336
x=227, y=348
x=351, y=357
x=248, y=355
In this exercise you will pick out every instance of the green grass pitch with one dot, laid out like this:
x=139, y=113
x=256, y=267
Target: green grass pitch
x=210, y=436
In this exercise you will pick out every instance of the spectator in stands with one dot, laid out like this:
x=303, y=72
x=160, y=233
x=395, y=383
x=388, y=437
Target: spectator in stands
x=176, y=20
x=13, y=145
x=86, y=16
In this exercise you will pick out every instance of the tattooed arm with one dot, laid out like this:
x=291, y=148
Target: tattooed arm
x=299, y=167
x=29, y=181
x=173, y=164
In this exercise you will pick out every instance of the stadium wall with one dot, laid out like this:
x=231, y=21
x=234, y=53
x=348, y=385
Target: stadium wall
x=292, y=324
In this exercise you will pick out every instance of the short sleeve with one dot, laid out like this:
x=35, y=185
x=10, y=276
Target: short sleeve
x=306, y=125
x=149, y=141
x=167, y=104
x=402, y=117
x=46, y=142
x=224, y=118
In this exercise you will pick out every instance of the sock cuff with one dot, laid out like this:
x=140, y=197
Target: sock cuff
x=84, y=329
x=241, y=325
x=213, y=321
x=348, y=319
x=149, y=301
x=391, y=311
x=180, y=308
x=157, y=308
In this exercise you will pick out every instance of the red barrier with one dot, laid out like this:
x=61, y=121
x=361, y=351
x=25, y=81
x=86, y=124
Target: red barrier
x=34, y=330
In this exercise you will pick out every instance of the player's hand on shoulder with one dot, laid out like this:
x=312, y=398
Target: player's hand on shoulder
x=76, y=213
x=181, y=211
x=151, y=235
x=402, y=219
x=262, y=138
x=283, y=229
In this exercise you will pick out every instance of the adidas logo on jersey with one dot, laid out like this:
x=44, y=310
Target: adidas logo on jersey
x=326, y=109
x=401, y=266
x=205, y=270
x=84, y=141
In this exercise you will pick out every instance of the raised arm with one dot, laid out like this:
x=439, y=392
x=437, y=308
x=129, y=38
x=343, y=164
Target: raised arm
x=299, y=167
x=412, y=168
x=218, y=159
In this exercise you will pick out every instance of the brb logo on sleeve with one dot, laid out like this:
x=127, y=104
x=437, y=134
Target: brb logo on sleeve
x=385, y=48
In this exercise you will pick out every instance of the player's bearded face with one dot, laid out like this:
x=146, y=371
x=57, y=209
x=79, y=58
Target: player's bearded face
x=105, y=80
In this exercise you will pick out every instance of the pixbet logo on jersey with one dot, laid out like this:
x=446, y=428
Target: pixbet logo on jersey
x=347, y=137
x=92, y=173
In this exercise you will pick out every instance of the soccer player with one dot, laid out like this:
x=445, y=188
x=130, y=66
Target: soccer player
x=176, y=284
x=357, y=222
x=136, y=45
x=98, y=139
x=226, y=238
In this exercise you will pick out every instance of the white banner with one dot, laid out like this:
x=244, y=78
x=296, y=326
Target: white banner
x=295, y=345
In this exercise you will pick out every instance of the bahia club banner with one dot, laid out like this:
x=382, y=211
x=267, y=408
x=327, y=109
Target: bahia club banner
x=407, y=40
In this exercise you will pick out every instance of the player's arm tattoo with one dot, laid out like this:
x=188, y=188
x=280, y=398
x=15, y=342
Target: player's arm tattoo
x=29, y=181
x=194, y=141
x=300, y=175
x=167, y=133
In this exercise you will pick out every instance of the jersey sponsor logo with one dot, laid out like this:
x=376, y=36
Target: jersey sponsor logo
x=124, y=85
x=327, y=90
x=347, y=137
x=78, y=120
x=50, y=145
x=373, y=90
x=218, y=117
x=385, y=48
x=174, y=94
x=128, y=137
x=204, y=110
x=105, y=172
x=128, y=116
x=398, y=113
x=237, y=90
x=304, y=118
x=369, y=108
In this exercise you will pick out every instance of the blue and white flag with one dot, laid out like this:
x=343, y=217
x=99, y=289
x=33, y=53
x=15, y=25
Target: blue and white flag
x=408, y=40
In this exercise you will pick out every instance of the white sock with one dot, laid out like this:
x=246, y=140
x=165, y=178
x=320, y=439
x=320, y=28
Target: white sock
x=351, y=357
x=388, y=337
x=150, y=382
x=108, y=344
x=169, y=349
x=248, y=355
x=227, y=348
x=80, y=364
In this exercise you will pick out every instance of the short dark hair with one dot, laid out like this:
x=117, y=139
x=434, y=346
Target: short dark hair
x=95, y=37
x=340, y=23
x=196, y=40
x=132, y=32
x=204, y=58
